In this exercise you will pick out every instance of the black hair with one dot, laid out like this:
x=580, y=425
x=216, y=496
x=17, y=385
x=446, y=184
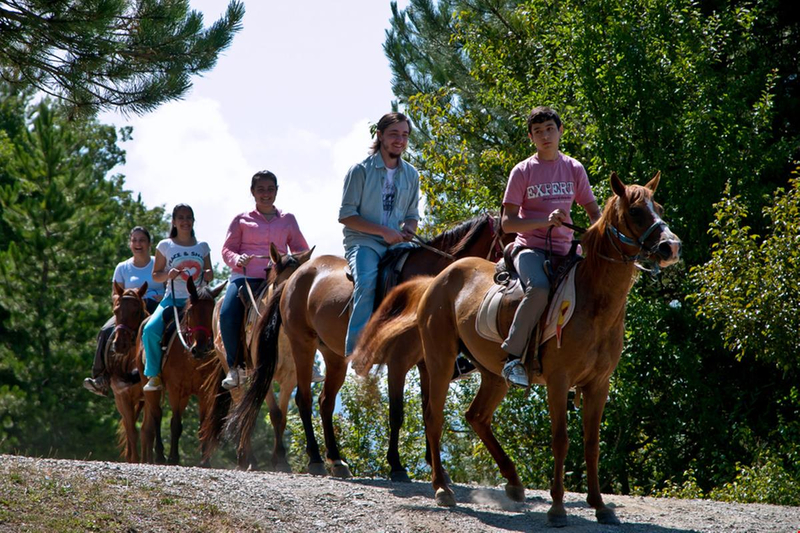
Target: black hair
x=174, y=231
x=143, y=230
x=263, y=175
x=543, y=114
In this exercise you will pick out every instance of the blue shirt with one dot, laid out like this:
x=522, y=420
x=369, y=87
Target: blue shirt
x=363, y=196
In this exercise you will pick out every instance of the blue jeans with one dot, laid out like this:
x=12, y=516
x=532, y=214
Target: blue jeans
x=151, y=335
x=231, y=316
x=363, y=262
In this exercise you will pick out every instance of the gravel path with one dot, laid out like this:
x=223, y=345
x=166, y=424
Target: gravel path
x=264, y=501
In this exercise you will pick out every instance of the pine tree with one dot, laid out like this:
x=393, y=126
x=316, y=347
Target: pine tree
x=100, y=54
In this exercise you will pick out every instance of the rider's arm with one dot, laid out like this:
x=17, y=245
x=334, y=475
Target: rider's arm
x=593, y=210
x=513, y=223
x=160, y=273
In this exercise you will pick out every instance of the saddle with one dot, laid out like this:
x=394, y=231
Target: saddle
x=502, y=299
x=170, y=331
x=389, y=269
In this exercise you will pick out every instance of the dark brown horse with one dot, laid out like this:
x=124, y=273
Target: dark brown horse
x=391, y=338
x=283, y=266
x=629, y=230
x=183, y=372
x=313, y=314
x=129, y=312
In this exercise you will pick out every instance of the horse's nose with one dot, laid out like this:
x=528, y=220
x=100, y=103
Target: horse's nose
x=669, y=250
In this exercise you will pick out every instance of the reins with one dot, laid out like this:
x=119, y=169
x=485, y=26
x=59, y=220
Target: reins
x=430, y=248
x=178, y=329
x=249, y=289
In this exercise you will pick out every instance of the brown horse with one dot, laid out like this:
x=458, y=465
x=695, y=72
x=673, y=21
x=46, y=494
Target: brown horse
x=629, y=230
x=283, y=266
x=313, y=314
x=129, y=313
x=183, y=372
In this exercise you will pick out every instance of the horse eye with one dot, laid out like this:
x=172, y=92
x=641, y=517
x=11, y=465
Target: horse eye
x=635, y=212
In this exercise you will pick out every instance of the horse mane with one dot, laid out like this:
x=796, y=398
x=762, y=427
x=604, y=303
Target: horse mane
x=205, y=293
x=461, y=236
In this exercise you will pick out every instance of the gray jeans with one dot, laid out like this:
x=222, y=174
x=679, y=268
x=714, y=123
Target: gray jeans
x=529, y=264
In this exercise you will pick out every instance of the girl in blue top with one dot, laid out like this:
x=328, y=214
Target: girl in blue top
x=129, y=274
x=177, y=258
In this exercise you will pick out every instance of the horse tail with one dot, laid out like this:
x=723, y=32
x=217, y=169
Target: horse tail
x=219, y=403
x=396, y=316
x=243, y=419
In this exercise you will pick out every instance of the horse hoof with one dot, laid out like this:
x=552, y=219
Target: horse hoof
x=445, y=498
x=607, y=517
x=283, y=466
x=556, y=518
x=400, y=476
x=317, y=469
x=515, y=493
x=341, y=470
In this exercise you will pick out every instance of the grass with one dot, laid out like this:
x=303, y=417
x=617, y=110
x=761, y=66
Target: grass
x=33, y=499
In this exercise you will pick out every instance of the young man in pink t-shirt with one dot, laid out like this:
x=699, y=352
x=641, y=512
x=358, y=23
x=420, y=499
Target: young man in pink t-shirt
x=540, y=194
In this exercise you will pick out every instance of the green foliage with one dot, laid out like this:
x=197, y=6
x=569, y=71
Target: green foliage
x=65, y=226
x=98, y=54
x=766, y=481
x=750, y=287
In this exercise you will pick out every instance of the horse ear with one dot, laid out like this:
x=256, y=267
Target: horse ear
x=218, y=289
x=274, y=254
x=302, y=257
x=118, y=290
x=143, y=290
x=617, y=186
x=653, y=183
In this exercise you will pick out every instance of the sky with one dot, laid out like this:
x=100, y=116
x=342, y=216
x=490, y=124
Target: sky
x=294, y=93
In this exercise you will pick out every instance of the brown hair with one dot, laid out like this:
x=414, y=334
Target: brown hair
x=387, y=120
x=174, y=231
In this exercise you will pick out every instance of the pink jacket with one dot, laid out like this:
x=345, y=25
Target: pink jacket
x=251, y=233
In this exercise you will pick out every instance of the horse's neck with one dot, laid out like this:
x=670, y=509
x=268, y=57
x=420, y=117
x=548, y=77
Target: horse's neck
x=603, y=279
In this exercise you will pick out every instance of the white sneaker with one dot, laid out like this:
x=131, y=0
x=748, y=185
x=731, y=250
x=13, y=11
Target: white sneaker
x=515, y=373
x=231, y=381
x=153, y=384
x=316, y=375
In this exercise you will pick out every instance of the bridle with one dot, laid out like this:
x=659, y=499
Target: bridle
x=191, y=330
x=613, y=233
x=126, y=328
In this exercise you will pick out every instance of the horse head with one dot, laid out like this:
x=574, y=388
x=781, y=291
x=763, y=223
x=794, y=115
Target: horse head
x=633, y=224
x=199, y=316
x=129, y=312
x=284, y=265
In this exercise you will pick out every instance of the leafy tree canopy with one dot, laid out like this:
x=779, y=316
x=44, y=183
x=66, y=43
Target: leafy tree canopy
x=100, y=54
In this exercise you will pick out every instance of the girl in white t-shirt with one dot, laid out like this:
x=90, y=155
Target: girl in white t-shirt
x=177, y=258
x=129, y=274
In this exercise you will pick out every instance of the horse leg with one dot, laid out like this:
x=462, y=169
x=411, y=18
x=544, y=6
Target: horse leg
x=479, y=415
x=335, y=372
x=424, y=378
x=151, y=423
x=397, y=382
x=594, y=401
x=128, y=412
x=176, y=425
x=557, y=390
x=440, y=354
x=277, y=415
x=303, y=351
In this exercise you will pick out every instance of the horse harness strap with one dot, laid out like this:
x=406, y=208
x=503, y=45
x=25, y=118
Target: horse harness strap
x=613, y=233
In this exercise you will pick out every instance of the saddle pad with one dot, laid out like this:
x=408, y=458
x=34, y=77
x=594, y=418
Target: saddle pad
x=561, y=308
x=557, y=314
x=486, y=318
